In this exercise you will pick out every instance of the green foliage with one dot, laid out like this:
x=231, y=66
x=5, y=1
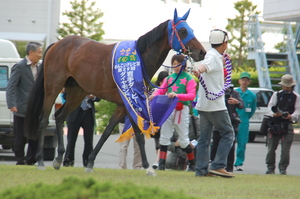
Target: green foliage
x=254, y=77
x=281, y=71
x=21, y=48
x=73, y=187
x=105, y=110
x=282, y=46
x=84, y=21
x=237, y=47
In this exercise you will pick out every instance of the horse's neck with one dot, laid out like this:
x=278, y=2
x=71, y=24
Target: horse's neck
x=153, y=60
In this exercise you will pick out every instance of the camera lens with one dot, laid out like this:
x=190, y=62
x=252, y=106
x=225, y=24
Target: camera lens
x=274, y=109
x=285, y=114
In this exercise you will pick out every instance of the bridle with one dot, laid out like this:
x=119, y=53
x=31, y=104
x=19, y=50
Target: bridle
x=175, y=32
x=179, y=49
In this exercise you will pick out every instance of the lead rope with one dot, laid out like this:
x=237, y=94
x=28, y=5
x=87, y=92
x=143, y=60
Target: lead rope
x=146, y=91
x=226, y=85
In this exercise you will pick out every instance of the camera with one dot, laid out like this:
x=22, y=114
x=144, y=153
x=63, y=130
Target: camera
x=275, y=109
x=228, y=92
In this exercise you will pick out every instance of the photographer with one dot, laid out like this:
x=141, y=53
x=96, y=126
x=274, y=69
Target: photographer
x=285, y=105
x=233, y=101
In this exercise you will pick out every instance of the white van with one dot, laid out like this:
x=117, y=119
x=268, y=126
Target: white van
x=8, y=57
x=263, y=96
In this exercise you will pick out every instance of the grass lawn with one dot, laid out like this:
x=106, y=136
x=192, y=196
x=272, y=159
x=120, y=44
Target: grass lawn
x=242, y=186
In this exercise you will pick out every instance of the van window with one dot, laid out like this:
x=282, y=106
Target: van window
x=3, y=77
x=263, y=98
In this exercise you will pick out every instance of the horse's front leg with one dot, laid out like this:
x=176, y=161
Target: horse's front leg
x=118, y=115
x=60, y=148
x=140, y=138
x=107, y=132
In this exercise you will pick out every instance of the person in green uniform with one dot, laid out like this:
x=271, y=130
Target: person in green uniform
x=245, y=114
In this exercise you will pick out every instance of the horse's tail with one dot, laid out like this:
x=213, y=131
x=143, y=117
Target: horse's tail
x=35, y=104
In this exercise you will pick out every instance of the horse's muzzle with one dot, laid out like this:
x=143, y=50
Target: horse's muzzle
x=198, y=56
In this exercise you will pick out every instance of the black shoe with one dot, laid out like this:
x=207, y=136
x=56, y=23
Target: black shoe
x=20, y=163
x=192, y=165
x=270, y=172
x=239, y=168
x=161, y=164
x=85, y=163
x=191, y=168
x=30, y=162
x=68, y=163
x=283, y=172
x=229, y=169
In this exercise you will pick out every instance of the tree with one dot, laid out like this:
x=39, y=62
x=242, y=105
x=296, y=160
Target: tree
x=237, y=47
x=83, y=21
x=105, y=109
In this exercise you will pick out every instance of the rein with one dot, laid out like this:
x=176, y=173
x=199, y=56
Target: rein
x=226, y=85
x=147, y=77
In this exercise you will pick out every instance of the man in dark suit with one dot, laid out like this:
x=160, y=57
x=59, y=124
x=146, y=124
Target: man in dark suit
x=83, y=116
x=22, y=77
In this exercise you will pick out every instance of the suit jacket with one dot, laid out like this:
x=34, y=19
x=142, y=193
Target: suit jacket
x=74, y=114
x=19, y=85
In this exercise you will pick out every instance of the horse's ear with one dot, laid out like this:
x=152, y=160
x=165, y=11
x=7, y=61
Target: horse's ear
x=175, y=17
x=186, y=15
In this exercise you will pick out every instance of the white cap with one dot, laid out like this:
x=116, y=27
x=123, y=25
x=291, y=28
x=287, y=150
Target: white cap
x=218, y=36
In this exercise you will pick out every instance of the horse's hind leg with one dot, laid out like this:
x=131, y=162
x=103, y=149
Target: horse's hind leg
x=40, y=156
x=59, y=119
x=43, y=123
x=75, y=95
x=118, y=115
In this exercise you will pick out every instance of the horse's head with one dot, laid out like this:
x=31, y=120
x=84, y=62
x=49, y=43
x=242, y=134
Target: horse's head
x=182, y=39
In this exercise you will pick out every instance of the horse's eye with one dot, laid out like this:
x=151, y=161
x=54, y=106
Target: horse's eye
x=183, y=32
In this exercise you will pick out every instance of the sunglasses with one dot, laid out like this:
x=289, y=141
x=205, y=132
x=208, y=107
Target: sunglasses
x=225, y=33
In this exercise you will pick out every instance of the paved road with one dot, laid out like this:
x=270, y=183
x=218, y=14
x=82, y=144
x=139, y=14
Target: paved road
x=108, y=155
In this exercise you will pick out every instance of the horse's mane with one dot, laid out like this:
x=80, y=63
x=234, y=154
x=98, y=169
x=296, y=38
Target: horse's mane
x=152, y=36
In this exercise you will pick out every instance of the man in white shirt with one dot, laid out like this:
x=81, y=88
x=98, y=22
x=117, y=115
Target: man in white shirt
x=212, y=110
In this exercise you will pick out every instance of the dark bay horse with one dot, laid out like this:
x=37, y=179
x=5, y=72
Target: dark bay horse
x=83, y=66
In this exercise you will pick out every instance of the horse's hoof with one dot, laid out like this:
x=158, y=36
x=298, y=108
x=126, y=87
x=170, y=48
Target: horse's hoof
x=56, y=164
x=42, y=168
x=150, y=172
x=89, y=170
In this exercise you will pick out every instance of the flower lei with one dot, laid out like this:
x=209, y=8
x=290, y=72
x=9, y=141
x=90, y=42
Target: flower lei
x=226, y=85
